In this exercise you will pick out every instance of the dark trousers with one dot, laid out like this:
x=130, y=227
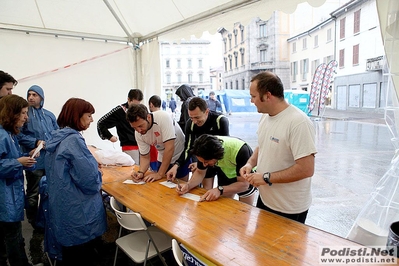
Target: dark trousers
x=86, y=254
x=299, y=217
x=32, y=193
x=12, y=244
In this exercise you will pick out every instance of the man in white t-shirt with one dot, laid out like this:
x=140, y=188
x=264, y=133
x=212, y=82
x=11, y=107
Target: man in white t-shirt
x=285, y=153
x=160, y=130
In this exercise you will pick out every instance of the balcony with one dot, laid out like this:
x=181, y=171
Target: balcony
x=262, y=65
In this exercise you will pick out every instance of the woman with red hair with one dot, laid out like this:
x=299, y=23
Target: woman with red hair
x=77, y=216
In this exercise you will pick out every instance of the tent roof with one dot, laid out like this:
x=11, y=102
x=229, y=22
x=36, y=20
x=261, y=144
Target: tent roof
x=138, y=20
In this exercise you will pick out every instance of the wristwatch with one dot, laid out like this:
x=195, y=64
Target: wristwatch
x=266, y=177
x=220, y=190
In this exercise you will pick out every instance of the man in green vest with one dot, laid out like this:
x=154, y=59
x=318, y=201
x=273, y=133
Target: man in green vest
x=225, y=155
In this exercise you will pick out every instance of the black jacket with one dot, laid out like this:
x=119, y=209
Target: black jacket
x=185, y=93
x=117, y=118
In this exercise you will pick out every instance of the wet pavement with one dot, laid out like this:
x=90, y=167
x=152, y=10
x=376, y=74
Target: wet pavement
x=354, y=152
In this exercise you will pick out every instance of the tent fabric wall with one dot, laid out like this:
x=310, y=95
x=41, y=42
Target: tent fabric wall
x=99, y=72
x=137, y=20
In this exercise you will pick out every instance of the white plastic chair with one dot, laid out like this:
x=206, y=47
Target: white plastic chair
x=178, y=254
x=143, y=244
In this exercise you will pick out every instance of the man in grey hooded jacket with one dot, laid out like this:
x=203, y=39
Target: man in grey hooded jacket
x=38, y=128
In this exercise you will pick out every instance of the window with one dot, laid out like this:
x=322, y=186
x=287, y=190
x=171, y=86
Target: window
x=262, y=57
x=167, y=63
x=235, y=37
x=189, y=64
x=342, y=28
x=200, y=50
x=231, y=85
x=315, y=64
x=178, y=50
x=304, y=43
x=236, y=84
x=316, y=41
x=235, y=59
x=168, y=78
x=201, y=78
x=304, y=68
x=242, y=51
x=179, y=78
x=243, y=84
x=356, y=54
x=178, y=63
x=356, y=22
x=188, y=50
x=294, y=70
x=342, y=58
x=242, y=33
x=199, y=63
x=229, y=41
x=294, y=47
x=354, y=96
x=225, y=44
x=190, y=78
x=329, y=35
x=369, y=95
x=262, y=30
x=327, y=59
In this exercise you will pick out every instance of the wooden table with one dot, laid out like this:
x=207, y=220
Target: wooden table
x=226, y=231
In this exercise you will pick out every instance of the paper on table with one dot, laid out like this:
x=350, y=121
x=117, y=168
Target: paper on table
x=130, y=181
x=168, y=184
x=191, y=196
x=37, y=149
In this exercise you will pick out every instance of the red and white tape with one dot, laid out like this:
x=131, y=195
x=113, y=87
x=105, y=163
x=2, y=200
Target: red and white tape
x=71, y=65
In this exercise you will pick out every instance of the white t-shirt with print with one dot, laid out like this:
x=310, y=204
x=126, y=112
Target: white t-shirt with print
x=163, y=128
x=282, y=139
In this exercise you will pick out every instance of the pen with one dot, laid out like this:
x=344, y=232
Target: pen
x=178, y=184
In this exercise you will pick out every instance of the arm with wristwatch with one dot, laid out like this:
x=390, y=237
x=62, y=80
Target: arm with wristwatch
x=302, y=168
x=247, y=173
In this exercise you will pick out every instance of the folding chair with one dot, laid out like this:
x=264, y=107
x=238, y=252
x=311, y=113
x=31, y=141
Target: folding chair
x=143, y=244
x=178, y=254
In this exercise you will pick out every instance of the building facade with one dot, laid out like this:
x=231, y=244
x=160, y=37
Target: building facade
x=359, y=83
x=185, y=63
x=308, y=50
x=257, y=47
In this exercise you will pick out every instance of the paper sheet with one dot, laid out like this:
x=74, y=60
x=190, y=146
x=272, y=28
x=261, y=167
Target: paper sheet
x=37, y=149
x=168, y=184
x=130, y=181
x=191, y=196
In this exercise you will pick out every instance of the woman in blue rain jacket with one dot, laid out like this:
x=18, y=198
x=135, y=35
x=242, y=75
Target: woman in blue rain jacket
x=13, y=115
x=76, y=211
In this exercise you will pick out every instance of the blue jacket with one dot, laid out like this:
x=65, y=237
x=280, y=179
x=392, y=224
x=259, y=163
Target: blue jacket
x=76, y=210
x=12, y=194
x=39, y=126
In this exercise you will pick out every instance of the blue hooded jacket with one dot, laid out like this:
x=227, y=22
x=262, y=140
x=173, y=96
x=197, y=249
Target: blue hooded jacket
x=12, y=194
x=39, y=126
x=76, y=210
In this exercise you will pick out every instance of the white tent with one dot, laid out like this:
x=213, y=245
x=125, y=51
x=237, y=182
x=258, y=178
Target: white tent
x=98, y=50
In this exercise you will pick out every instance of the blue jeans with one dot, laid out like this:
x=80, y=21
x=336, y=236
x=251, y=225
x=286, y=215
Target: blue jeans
x=12, y=244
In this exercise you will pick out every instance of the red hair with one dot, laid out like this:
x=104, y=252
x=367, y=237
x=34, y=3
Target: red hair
x=72, y=111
